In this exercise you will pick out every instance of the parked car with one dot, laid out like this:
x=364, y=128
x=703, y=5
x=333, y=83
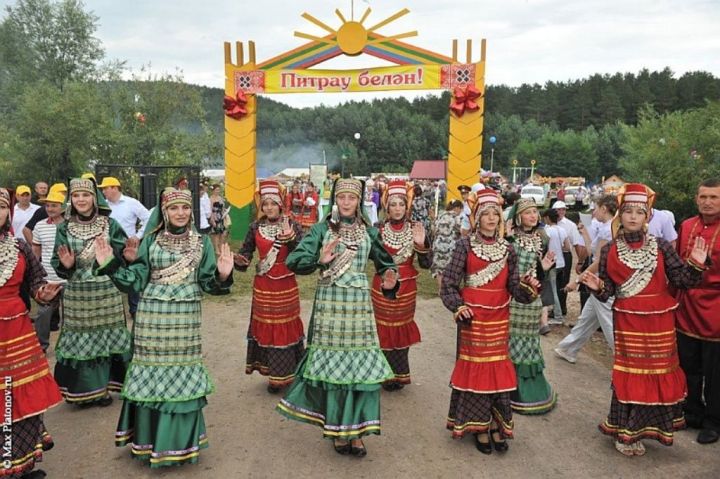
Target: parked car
x=571, y=195
x=534, y=192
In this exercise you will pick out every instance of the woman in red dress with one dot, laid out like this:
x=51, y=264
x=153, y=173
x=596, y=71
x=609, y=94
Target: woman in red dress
x=275, y=335
x=310, y=206
x=294, y=203
x=395, y=318
x=484, y=375
x=648, y=384
x=23, y=365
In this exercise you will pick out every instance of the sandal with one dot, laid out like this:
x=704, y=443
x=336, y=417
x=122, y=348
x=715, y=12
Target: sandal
x=625, y=449
x=358, y=451
x=341, y=447
x=483, y=447
x=500, y=446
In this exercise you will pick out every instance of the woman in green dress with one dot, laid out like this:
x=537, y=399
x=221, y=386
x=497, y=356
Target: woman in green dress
x=93, y=349
x=167, y=383
x=533, y=395
x=337, y=384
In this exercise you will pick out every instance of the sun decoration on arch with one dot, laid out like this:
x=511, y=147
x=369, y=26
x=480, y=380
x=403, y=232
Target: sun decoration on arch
x=352, y=36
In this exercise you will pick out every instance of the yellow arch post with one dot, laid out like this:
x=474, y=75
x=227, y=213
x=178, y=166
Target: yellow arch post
x=240, y=144
x=465, y=141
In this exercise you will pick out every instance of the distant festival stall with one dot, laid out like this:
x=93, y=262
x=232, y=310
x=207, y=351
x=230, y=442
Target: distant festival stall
x=289, y=72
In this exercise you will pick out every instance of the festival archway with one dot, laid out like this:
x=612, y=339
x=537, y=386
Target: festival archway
x=290, y=72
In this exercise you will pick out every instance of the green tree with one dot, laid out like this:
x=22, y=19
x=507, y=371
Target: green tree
x=49, y=41
x=59, y=133
x=672, y=153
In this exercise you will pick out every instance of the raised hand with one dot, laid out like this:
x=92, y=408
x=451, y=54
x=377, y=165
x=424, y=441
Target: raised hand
x=47, y=292
x=67, y=256
x=418, y=232
x=103, y=251
x=327, y=254
x=130, y=250
x=590, y=280
x=699, y=252
x=287, y=230
x=225, y=262
x=548, y=261
x=389, y=279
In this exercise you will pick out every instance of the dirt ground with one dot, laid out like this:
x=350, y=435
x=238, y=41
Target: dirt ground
x=249, y=439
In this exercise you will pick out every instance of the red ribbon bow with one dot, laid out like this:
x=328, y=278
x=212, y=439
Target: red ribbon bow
x=235, y=107
x=464, y=99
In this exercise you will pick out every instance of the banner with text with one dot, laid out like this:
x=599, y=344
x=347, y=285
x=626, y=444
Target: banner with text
x=405, y=77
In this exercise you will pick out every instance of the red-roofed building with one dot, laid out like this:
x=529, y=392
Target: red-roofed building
x=429, y=170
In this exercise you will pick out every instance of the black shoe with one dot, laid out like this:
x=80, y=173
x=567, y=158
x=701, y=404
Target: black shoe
x=707, y=436
x=55, y=326
x=273, y=389
x=358, y=451
x=393, y=386
x=500, y=446
x=36, y=474
x=484, y=447
x=105, y=402
x=340, y=448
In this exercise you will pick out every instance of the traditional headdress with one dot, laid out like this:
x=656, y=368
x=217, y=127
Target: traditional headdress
x=7, y=197
x=172, y=196
x=82, y=184
x=633, y=194
x=482, y=201
x=398, y=188
x=518, y=207
x=349, y=185
x=77, y=185
x=269, y=190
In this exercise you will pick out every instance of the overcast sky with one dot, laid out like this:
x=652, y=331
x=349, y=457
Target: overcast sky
x=528, y=40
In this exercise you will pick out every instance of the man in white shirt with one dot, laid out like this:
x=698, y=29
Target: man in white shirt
x=205, y=210
x=578, y=243
x=661, y=225
x=23, y=210
x=557, y=242
x=43, y=244
x=130, y=214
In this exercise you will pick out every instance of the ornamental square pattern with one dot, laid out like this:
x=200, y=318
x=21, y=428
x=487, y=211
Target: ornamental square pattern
x=457, y=74
x=250, y=81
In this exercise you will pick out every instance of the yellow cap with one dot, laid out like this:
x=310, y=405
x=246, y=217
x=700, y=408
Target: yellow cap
x=59, y=187
x=22, y=189
x=109, y=181
x=88, y=176
x=53, y=197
